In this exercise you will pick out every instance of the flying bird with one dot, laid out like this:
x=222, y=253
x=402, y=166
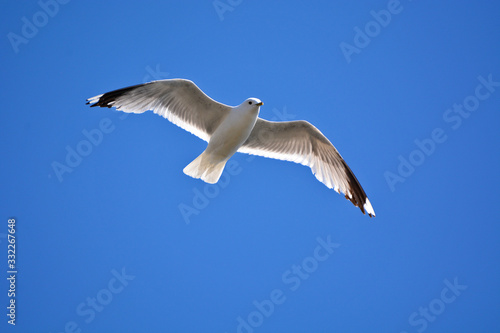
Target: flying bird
x=237, y=129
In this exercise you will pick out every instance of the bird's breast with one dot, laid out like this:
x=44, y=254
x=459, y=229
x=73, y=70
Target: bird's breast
x=232, y=133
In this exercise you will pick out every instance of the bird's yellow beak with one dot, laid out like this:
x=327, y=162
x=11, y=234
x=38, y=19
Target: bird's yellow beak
x=260, y=104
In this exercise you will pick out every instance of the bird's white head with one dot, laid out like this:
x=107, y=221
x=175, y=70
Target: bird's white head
x=251, y=103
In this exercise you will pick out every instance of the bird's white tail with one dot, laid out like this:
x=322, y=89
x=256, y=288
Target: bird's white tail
x=206, y=168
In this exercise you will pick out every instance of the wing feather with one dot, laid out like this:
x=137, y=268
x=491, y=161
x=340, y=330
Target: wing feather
x=301, y=142
x=177, y=100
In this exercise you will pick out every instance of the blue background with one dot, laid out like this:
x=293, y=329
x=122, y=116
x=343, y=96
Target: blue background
x=118, y=210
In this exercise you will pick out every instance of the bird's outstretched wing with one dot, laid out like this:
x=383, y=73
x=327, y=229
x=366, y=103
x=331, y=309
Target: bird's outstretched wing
x=178, y=100
x=301, y=142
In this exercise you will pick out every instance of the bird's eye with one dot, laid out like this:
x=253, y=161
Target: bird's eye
x=250, y=102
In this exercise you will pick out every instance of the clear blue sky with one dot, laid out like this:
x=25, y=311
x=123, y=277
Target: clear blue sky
x=408, y=92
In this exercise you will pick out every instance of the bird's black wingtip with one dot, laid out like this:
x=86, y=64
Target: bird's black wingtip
x=98, y=103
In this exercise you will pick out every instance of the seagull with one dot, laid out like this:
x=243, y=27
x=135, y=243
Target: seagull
x=237, y=129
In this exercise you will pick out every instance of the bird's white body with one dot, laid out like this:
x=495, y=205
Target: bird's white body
x=232, y=132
